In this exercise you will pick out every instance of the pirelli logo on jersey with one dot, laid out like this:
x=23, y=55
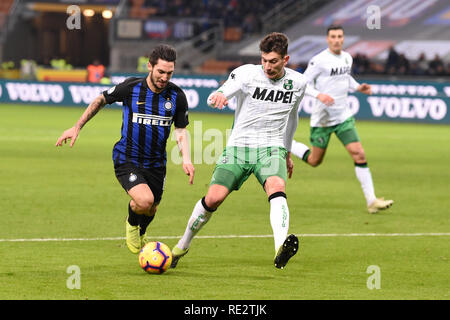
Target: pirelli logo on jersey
x=273, y=96
x=152, y=120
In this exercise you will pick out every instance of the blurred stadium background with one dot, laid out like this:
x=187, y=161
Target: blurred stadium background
x=407, y=58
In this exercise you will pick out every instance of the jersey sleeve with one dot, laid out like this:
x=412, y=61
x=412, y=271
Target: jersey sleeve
x=237, y=81
x=181, y=117
x=310, y=91
x=353, y=84
x=117, y=93
x=291, y=127
x=292, y=122
x=312, y=71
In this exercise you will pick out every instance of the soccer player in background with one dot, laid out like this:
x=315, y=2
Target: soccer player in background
x=328, y=74
x=150, y=106
x=268, y=97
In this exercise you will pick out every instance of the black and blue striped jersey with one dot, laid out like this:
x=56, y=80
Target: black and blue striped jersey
x=147, y=119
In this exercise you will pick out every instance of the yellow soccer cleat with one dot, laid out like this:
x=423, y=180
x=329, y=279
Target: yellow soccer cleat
x=134, y=242
x=177, y=253
x=379, y=204
x=144, y=240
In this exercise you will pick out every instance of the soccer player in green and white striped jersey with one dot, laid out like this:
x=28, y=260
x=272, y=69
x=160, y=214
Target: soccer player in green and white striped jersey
x=329, y=75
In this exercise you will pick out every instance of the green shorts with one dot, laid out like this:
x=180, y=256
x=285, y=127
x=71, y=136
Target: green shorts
x=236, y=164
x=345, y=131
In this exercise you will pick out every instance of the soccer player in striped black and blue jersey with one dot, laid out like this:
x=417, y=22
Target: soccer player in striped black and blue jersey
x=150, y=106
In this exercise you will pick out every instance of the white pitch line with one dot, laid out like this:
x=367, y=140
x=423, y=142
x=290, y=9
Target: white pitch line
x=233, y=236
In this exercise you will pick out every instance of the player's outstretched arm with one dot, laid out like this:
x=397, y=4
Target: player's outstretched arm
x=217, y=100
x=322, y=97
x=325, y=99
x=72, y=133
x=183, y=144
x=365, y=88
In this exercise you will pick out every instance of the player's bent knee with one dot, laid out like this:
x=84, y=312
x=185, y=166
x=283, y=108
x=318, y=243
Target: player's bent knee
x=144, y=204
x=212, y=202
x=274, y=184
x=359, y=156
x=215, y=196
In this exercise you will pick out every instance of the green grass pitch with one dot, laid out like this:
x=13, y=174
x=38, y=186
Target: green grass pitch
x=64, y=194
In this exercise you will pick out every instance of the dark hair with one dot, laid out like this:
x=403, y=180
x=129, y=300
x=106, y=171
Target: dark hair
x=334, y=27
x=163, y=52
x=276, y=42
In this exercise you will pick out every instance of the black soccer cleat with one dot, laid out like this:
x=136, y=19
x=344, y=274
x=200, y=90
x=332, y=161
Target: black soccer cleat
x=286, y=251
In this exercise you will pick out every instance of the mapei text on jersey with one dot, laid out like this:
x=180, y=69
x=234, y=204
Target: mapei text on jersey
x=272, y=95
x=342, y=70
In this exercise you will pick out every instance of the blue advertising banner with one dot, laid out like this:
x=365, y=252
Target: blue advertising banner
x=398, y=101
x=49, y=93
x=409, y=101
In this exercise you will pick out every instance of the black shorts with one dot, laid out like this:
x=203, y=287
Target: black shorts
x=130, y=176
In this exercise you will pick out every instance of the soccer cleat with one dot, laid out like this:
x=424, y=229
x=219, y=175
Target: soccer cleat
x=379, y=204
x=286, y=251
x=177, y=254
x=133, y=238
x=144, y=240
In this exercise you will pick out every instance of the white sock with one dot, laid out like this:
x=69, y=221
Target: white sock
x=197, y=220
x=279, y=220
x=298, y=149
x=365, y=178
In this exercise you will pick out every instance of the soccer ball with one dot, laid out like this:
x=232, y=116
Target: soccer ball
x=155, y=257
